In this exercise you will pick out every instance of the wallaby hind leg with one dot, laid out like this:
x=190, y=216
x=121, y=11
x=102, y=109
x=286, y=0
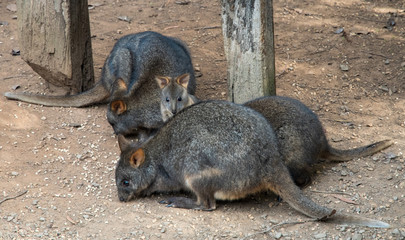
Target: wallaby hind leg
x=199, y=185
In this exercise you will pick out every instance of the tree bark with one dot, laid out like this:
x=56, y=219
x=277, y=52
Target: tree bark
x=55, y=41
x=249, y=48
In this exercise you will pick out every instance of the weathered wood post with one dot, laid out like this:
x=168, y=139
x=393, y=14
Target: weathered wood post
x=55, y=41
x=247, y=26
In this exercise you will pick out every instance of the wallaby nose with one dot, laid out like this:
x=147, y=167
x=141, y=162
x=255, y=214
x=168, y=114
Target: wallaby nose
x=122, y=199
x=174, y=111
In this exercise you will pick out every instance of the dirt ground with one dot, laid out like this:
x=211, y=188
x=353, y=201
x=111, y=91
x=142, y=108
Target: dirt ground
x=341, y=58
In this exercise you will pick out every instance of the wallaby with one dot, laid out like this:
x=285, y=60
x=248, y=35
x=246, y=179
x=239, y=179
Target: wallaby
x=174, y=95
x=216, y=150
x=301, y=137
x=128, y=82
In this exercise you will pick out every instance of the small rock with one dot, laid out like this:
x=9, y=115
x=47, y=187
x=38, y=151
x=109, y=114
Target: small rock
x=125, y=18
x=11, y=217
x=320, y=235
x=35, y=202
x=42, y=219
x=21, y=232
x=403, y=64
x=14, y=174
x=343, y=173
x=278, y=235
x=391, y=155
x=396, y=232
x=344, y=67
x=387, y=61
x=15, y=52
x=339, y=30
x=357, y=236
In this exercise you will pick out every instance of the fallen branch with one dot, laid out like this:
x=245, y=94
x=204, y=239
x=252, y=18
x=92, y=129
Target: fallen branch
x=342, y=193
x=278, y=225
x=9, y=198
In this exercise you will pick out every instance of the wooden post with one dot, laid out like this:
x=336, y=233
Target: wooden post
x=247, y=26
x=55, y=41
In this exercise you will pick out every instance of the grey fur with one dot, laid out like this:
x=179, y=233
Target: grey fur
x=301, y=137
x=216, y=150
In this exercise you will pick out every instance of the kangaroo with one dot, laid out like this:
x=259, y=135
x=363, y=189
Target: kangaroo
x=174, y=95
x=215, y=150
x=300, y=134
x=128, y=82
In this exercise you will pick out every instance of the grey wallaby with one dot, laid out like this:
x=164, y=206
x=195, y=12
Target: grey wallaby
x=216, y=150
x=128, y=81
x=301, y=137
x=174, y=95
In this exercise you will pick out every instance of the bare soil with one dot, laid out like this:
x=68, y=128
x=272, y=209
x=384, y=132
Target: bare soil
x=341, y=58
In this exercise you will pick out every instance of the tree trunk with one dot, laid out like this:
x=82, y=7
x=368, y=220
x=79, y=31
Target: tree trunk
x=249, y=48
x=55, y=41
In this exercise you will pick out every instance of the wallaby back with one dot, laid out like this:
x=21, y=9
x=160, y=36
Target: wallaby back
x=174, y=95
x=302, y=138
x=216, y=150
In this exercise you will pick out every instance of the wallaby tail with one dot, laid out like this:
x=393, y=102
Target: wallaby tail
x=97, y=94
x=348, y=154
x=294, y=196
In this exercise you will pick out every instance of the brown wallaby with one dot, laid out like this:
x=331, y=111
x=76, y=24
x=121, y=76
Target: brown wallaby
x=174, y=95
x=216, y=150
x=128, y=82
x=301, y=137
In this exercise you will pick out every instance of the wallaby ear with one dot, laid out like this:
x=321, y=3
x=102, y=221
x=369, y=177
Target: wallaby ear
x=137, y=158
x=162, y=81
x=123, y=143
x=118, y=107
x=183, y=80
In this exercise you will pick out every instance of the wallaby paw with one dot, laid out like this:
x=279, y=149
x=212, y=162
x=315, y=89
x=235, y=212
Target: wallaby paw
x=183, y=202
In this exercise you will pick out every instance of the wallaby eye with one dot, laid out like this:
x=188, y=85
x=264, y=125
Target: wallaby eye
x=167, y=99
x=125, y=183
x=179, y=99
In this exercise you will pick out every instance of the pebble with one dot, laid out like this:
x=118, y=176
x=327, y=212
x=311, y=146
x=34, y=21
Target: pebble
x=11, y=217
x=14, y=174
x=320, y=235
x=357, y=236
x=344, y=67
x=278, y=235
x=396, y=232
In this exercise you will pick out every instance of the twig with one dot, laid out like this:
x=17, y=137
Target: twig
x=71, y=220
x=375, y=54
x=9, y=198
x=342, y=193
x=278, y=225
x=205, y=28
